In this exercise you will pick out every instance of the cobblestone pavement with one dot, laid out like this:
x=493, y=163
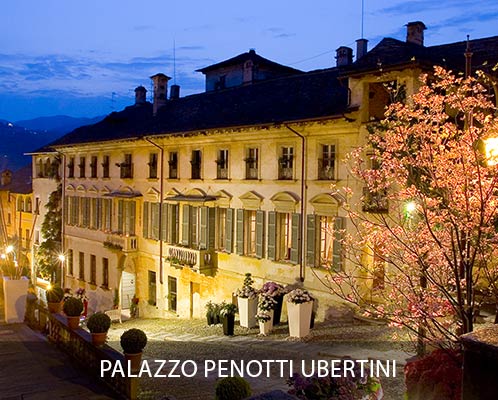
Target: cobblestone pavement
x=178, y=339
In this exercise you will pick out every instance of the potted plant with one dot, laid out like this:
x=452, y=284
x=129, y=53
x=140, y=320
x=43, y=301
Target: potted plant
x=15, y=286
x=266, y=305
x=210, y=310
x=299, y=308
x=277, y=291
x=265, y=322
x=227, y=314
x=98, y=324
x=73, y=307
x=54, y=297
x=133, y=342
x=247, y=298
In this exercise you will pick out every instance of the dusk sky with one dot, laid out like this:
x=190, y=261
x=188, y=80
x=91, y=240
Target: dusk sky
x=84, y=58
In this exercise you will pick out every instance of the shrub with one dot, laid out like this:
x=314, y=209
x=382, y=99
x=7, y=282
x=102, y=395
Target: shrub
x=54, y=294
x=228, y=309
x=98, y=323
x=133, y=341
x=73, y=307
x=232, y=388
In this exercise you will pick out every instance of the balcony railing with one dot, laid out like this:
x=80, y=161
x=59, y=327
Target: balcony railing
x=326, y=169
x=201, y=261
x=126, y=244
x=221, y=173
x=285, y=173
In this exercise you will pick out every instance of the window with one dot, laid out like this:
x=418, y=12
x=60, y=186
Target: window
x=126, y=167
x=105, y=272
x=198, y=224
x=151, y=220
x=126, y=217
x=196, y=164
x=375, y=201
x=85, y=212
x=37, y=205
x=93, y=269
x=29, y=205
x=152, y=288
x=324, y=241
x=286, y=163
x=106, y=218
x=172, y=293
x=70, y=168
x=379, y=268
x=222, y=165
x=252, y=160
x=82, y=166
x=95, y=207
x=152, y=166
x=82, y=266
x=283, y=236
x=381, y=95
x=250, y=228
x=20, y=204
x=93, y=167
x=70, y=265
x=171, y=224
x=105, y=166
x=27, y=241
x=221, y=228
x=326, y=164
x=173, y=165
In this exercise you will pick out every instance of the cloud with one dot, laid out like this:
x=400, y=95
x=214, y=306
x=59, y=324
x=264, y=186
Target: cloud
x=278, y=33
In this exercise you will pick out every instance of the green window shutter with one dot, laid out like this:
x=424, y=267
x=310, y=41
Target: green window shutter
x=295, y=245
x=229, y=231
x=146, y=220
x=203, y=228
x=339, y=223
x=260, y=231
x=155, y=220
x=98, y=213
x=131, y=217
x=240, y=232
x=164, y=221
x=211, y=231
x=272, y=234
x=174, y=224
x=185, y=224
x=120, y=216
x=311, y=239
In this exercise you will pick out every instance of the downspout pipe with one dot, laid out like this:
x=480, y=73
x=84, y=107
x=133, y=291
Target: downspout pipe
x=303, y=202
x=161, y=195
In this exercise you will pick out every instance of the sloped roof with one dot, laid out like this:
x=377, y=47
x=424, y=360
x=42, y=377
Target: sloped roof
x=255, y=58
x=304, y=96
x=21, y=181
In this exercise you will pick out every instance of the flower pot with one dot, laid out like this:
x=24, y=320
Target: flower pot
x=55, y=308
x=210, y=319
x=299, y=317
x=265, y=327
x=133, y=361
x=98, y=339
x=228, y=325
x=248, y=307
x=73, y=322
x=278, y=310
x=15, y=295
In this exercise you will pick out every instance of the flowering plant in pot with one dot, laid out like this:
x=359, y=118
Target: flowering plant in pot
x=98, y=324
x=299, y=309
x=133, y=341
x=73, y=307
x=266, y=305
x=227, y=314
x=54, y=297
x=265, y=322
x=277, y=292
x=247, y=298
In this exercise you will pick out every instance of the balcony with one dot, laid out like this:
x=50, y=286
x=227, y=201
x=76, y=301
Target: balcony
x=200, y=261
x=126, y=244
x=285, y=173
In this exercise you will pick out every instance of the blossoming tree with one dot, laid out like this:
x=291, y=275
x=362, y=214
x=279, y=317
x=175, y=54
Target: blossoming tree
x=425, y=239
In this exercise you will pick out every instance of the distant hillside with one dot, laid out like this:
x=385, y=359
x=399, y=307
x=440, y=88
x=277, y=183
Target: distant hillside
x=25, y=136
x=60, y=124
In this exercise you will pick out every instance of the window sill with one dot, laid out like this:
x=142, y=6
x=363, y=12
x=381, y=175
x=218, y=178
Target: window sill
x=149, y=179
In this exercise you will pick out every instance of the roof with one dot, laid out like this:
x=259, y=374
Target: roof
x=304, y=96
x=255, y=58
x=391, y=53
x=21, y=181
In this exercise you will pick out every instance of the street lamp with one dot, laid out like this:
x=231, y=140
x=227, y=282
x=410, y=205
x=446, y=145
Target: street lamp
x=62, y=258
x=491, y=149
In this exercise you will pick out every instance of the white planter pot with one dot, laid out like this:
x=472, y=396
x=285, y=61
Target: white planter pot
x=266, y=327
x=247, y=312
x=15, y=295
x=299, y=317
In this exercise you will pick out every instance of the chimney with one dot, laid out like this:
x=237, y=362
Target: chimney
x=361, y=48
x=160, y=91
x=6, y=177
x=415, y=32
x=174, y=92
x=140, y=95
x=344, y=56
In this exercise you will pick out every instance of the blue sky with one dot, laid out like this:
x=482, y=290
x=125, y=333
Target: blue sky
x=84, y=58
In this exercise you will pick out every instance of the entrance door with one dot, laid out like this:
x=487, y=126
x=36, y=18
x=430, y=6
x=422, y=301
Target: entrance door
x=127, y=289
